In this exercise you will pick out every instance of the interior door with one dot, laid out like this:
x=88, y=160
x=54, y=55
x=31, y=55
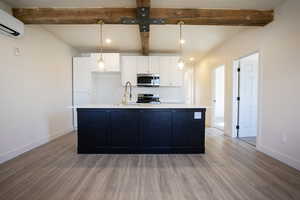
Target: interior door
x=218, y=97
x=248, y=96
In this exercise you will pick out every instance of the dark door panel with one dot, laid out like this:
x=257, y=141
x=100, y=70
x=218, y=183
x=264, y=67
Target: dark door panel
x=156, y=128
x=125, y=128
x=187, y=131
x=92, y=129
x=92, y=118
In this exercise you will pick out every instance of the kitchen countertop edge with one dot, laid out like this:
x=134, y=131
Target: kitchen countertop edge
x=142, y=106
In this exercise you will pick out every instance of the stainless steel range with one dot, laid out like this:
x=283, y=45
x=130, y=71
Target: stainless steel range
x=148, y=98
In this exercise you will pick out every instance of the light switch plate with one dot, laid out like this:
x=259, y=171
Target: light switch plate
x=17, y=51
x=197, y=115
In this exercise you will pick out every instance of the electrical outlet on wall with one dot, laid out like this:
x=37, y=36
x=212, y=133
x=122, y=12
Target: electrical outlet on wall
x=283, y=138
x=197, y=115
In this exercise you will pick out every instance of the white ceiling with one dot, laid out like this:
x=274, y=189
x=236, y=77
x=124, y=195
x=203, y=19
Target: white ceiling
x=86, y=37
x=163, y=38
x=242, y=4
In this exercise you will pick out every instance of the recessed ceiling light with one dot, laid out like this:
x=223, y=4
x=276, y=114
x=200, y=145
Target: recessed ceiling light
x=192, y=58
x=182, y=41
x=108, y=41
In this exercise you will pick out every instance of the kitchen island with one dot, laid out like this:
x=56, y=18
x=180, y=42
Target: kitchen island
x=141, y=128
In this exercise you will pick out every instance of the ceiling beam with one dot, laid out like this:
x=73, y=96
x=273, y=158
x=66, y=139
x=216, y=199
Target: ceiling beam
x=145, y=37
x=143, y=18
x=168, y=15
x=143, y=15
x=73, y=15
x=143, y=3
x=222, y=17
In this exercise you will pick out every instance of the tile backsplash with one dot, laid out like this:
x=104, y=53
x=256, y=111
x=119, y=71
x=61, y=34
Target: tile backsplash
x=107, y=89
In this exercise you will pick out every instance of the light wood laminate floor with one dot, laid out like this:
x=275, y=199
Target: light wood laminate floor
x=231, y=169
x=250, y=140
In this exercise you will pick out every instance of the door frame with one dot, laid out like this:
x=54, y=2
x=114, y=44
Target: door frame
x=214, y=95
x=235, y=92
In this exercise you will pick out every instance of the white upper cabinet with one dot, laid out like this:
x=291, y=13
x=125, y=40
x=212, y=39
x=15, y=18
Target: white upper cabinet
x=154, y=64
x=147, y=64
x=175, y=75
x=169, y=73
x=164, y=65
x=82, y=77
x=142, y=64
x=111, y=62
x=129, y=69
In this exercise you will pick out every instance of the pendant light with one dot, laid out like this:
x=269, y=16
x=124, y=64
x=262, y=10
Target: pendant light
x=100, y=60
x=180, y=62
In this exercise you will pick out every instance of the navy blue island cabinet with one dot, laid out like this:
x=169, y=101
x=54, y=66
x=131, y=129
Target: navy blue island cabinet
x=152, y=131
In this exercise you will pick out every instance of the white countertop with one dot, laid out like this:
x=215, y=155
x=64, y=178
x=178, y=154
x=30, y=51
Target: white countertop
x=142, y=106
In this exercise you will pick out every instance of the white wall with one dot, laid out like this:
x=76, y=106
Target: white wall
x=5, y=7
x=35, y=91
x=279, y=45
x=203, y=89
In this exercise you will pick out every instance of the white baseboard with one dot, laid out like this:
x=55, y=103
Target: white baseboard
x=280, y=156
x=14, y=153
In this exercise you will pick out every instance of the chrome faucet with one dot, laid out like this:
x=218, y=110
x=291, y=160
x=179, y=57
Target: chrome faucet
x=125, y=100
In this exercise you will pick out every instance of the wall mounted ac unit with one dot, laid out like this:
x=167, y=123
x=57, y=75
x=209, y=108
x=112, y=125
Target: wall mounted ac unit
x=10, y=26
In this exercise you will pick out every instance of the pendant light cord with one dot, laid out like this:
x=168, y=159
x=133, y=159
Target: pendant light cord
x=180, y=36
x=101, y=38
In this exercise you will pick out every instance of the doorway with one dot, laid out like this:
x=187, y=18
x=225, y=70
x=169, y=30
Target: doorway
x=246, y=85
x=218, y=97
